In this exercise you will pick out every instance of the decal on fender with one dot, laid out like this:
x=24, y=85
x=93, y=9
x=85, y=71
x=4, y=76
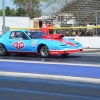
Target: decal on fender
x=33, y=43
x=70, y=43
x=18, y=45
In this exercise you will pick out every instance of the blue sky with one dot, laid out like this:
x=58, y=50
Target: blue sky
x=52, y=8
x=7, y=3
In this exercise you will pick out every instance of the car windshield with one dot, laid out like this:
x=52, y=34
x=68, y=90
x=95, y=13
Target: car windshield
x=35, y=34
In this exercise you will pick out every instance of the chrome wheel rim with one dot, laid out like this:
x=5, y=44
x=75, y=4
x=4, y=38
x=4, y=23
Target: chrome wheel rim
x=44, y=51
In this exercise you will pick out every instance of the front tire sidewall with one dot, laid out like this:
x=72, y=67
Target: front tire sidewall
x=44, y=51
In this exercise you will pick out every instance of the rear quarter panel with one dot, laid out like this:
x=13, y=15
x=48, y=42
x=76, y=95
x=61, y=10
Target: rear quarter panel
x=4, y=39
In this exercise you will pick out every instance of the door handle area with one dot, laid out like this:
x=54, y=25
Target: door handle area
x=10, y=42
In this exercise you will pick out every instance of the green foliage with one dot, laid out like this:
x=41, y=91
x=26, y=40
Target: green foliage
x=30, y=6
x=13, y=12
x=8, y=11
x=20, y=12
x=0, y=12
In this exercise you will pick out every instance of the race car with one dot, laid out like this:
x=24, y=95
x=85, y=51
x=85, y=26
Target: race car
x=37, y=42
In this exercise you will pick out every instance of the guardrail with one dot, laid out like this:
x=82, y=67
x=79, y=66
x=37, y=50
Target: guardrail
x=72, y=27
x=68, y=31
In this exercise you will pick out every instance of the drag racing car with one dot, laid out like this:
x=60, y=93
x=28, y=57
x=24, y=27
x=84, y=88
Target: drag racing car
x=37, y=42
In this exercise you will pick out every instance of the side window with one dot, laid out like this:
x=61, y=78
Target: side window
x=18, y=35
x=12, y=35
x=21, y=35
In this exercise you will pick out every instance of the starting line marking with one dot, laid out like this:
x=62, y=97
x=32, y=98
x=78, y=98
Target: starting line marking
x=53, y=77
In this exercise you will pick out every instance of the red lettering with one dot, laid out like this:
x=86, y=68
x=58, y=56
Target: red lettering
x=18, y=45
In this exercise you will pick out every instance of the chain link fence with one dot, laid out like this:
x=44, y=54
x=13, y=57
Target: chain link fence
x=74, y=13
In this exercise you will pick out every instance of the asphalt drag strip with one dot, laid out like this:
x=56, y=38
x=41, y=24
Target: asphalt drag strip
x=14, y=88
x=45, y=70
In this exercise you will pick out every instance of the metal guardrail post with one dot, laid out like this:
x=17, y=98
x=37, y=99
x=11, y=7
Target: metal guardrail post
x=3, y=8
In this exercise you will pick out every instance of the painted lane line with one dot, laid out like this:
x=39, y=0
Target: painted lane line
x=51, y=63
x=52, y=77
x=51, y=69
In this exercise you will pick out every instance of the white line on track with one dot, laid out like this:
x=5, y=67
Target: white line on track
x=52, y=77
x=57, y=63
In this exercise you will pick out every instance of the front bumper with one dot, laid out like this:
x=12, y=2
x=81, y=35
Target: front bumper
x=55, y=52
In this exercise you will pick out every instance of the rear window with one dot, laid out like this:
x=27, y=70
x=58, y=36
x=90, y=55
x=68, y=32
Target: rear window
x=35, y=34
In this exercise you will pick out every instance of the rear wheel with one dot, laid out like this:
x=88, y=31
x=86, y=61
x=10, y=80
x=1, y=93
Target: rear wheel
x=3, y=51
x=44, y=51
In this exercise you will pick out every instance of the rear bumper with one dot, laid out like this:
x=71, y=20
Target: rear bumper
x=55, y=52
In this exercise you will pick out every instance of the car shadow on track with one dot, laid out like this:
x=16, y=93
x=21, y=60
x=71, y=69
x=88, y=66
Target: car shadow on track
x=14, y=56
x=58, y=58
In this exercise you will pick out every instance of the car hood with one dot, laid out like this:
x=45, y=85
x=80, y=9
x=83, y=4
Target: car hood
x=60, y=38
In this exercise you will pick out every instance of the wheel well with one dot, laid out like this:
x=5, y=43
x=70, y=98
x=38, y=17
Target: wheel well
x=3, y=45
x=39, y=47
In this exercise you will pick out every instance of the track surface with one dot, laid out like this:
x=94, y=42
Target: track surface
x=35, y=89
x=90, y=58
x=14, y=88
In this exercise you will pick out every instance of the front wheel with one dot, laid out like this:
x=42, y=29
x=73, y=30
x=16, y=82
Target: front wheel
x=3, y=51
x=44, y=51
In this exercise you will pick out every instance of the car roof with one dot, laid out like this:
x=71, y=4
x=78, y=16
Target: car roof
x=17, y=30
x=27, y=30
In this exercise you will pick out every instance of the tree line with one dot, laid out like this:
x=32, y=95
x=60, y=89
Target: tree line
x=30, y=8
x=13, y=12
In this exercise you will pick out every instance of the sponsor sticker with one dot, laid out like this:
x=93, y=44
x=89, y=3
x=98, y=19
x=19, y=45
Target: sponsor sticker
x=33, y=43
x=54, y=52
x=18, y=45
x=70, y=43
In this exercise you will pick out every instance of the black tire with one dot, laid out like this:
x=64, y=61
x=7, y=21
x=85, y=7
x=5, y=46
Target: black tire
x=64, y=55
x=44, y=51
x=3, y=51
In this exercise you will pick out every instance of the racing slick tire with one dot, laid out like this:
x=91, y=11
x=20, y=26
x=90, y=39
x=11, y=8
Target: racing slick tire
x=3, y=51
x=44, y=51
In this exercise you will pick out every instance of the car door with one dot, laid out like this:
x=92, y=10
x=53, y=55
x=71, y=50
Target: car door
x=19, y=42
